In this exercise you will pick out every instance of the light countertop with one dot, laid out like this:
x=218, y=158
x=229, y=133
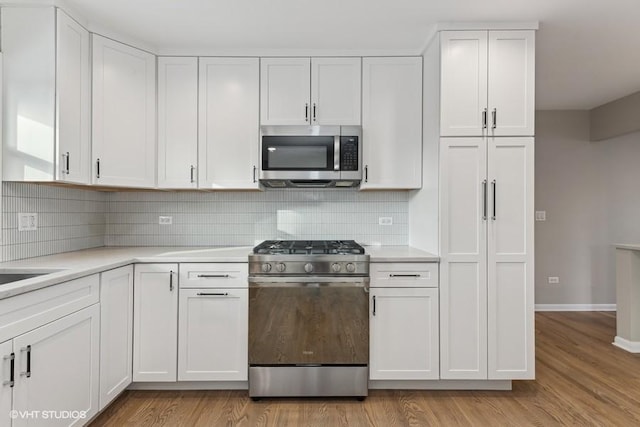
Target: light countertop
x=72, y=265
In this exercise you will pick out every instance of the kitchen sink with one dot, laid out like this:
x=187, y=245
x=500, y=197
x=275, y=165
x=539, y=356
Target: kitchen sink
x=14, y=275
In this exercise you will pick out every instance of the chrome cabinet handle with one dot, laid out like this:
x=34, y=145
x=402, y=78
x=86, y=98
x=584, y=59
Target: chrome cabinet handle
x=65, y=170
x=374, y=305
x=404, y=275
x=314, y=112
x=366, y=173
x=306, y=112
x=212, y=276
x=484, y=119
x=254, y=173
x=193, y=168
x=484, y=200
x=27, y=373
x=493, y=186
x=494, y=116
x=212, y=294
x=171, y=281
x=11, y=381
x=98, y=168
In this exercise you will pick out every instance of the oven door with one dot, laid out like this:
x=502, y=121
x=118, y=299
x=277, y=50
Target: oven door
x=309, y=322
x=300, y=152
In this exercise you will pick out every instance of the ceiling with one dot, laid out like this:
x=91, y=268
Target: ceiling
x=588, y=51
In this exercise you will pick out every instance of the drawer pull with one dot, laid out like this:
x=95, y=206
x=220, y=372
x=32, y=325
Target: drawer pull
x=404, y=275
x=213, y=276
x=212, y=294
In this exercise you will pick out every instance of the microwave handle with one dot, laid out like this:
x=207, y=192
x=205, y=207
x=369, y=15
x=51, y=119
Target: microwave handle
x=336, y=152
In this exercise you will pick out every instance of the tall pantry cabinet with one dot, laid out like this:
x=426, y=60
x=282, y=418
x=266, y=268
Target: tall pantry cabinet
x=486, y=204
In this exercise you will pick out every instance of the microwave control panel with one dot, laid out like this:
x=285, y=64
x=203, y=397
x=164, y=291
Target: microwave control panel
x=349, y=153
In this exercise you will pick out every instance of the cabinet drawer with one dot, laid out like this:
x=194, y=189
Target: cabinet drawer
x=25, y=312
x=214, y=275
x=404, y=275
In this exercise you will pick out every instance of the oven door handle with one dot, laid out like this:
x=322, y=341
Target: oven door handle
x=308, y=282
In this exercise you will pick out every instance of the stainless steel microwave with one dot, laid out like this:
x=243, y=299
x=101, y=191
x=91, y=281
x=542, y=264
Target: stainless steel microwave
x=311, y=156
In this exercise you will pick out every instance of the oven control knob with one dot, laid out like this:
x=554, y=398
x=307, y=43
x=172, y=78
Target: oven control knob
x=266, y=267
x=308, y=267
x=335, y=267
x=351, y=267
x=280, y=267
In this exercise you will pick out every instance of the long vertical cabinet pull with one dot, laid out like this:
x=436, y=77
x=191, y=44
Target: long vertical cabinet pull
x=306, y=112
x=484, y=119
x=65, y=169
x=494, y=118
x=314, y=112
x=171, y=281
x=366, y=173
x=493, y=187
x=12, y=370
x=193, y=168
x=98, y=168
x=485, y=208
x=374, y=305
x=27, y=373
x=68, y=157
x=254, y=173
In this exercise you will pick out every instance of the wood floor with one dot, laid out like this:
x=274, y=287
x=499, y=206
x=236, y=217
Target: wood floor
x=581, y=380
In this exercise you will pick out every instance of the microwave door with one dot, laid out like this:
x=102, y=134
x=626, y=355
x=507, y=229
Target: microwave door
x=299, y=157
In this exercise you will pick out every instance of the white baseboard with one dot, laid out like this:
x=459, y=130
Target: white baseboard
x=575, y=307
x=630, y=346
x=440, y=385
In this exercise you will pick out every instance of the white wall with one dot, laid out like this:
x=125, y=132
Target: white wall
x=591, y=193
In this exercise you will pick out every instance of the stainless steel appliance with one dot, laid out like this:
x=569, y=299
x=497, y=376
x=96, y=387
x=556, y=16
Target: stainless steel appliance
x=311, y=156
x=308, y=319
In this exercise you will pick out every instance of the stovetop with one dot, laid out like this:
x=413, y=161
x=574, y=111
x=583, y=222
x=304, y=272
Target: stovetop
x=309, y=247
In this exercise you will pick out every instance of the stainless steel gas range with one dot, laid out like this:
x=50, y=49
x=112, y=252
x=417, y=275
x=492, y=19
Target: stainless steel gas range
x=308, y=319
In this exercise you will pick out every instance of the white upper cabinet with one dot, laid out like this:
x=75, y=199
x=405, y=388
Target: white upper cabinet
x=284, y=91
x=304, y=91
x=487, y=83
x=124, y=115
x=392, y=123
x=73, y=101
x=335, y=91
x=177, y=122
x=229, y=123
x=47, y=96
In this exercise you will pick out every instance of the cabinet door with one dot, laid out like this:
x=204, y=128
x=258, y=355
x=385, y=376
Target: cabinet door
x=512, y=82
x=155, y=324
x=510, y=262
x=177, y=122
x=335, y=91
x=463, y=83
x=463, y=263
x=73, y=101
x=6, y=388
x=229, y=123
x=392, y=123
x=124, y=112
x=404, y=334
x=62, y=358
x=116, y=332
x=284, y=91
x=213, y=335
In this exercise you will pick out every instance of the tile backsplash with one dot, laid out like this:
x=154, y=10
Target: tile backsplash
x=73, y=219
x=69, y=219
x=244, y=218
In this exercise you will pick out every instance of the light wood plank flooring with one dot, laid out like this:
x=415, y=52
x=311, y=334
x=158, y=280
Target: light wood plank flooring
x=582, y=380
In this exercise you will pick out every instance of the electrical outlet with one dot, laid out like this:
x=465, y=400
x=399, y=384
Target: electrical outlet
x=27, y=221
x=553, y=279
x=165, y=220
x=385, y=220
x=541, y=215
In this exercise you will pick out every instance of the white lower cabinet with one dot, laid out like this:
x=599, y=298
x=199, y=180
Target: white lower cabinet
x=213, y=331
x=7, y=365
x=155, y=326
x=56, y=370
x=116, y=332
x=403, y=315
